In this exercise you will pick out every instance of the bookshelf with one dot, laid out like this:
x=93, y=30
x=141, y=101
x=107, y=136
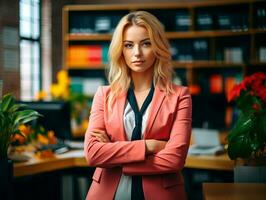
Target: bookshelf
x=208, y=38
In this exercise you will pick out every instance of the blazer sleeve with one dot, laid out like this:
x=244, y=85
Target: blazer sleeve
x=110, y=154
x=172, y=157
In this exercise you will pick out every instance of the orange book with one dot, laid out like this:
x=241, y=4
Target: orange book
x=194, y=89
x=229, y=84
x=85, y=56
x=216, y=84
x=77, y=56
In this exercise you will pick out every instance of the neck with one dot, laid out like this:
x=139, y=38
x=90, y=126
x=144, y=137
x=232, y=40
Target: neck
x=142, y=81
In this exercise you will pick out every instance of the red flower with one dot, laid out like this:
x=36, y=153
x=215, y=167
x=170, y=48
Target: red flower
x=262, y=93
x=235, y=92
x=254, y=85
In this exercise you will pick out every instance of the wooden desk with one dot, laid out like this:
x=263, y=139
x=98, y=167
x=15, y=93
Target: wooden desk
x=76, y=159
x=62, y=161
x=219, y=162
x=234, y=191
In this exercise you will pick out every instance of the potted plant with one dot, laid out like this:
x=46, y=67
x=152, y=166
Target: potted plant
x=247, y=139
x=11, y=116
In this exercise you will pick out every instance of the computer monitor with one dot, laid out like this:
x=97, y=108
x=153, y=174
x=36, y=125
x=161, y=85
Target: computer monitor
x=56, y=116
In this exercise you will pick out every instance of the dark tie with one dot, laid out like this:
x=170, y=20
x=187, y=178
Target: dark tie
x=136, y=189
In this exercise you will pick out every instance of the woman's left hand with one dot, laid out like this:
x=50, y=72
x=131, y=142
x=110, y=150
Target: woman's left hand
x=100, y=135
x=154, y=146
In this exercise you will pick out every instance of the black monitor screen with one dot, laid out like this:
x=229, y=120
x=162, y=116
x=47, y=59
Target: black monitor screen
x=56, y=116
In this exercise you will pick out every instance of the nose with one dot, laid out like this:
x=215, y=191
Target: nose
x=137, y=51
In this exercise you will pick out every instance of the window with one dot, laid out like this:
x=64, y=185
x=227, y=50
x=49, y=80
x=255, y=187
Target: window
x=30, y=65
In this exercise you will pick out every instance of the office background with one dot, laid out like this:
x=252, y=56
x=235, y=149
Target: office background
x=209, y=62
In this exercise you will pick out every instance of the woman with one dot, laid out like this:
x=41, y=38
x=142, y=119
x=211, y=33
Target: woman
x=140, y=125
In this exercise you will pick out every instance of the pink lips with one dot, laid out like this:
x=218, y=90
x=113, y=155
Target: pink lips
x=138, y=62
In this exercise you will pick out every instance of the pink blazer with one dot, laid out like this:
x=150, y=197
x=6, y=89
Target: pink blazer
x=169, y=120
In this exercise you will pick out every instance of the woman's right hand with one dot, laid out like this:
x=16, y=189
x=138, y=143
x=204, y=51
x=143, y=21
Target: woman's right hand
x=100, y=135
x=154, y=146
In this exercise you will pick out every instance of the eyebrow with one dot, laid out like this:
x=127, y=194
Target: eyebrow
x=140, y=41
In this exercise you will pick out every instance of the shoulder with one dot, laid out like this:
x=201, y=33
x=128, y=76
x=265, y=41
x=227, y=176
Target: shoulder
x=179, y=90
x=102, y=92
x=181, y=96
x=105, y=92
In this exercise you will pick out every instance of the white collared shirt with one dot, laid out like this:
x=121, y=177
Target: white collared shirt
x=123, y=191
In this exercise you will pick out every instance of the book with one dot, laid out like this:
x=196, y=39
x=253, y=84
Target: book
x=204, y=21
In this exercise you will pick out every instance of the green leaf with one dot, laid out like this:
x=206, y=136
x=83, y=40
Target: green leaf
x=28, y=119
x=16, y=107
x=241, y=142
x=25, y=116
x=7, y=102
x=246, y=101
x=244, y=124
x=239, y=147
x=255, y=142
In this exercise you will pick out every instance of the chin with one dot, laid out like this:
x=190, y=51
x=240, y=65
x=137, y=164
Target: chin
x=138, y=70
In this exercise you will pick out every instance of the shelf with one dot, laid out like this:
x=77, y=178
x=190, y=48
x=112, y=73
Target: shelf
x=157, y=5
x=198, y=34
x=98, y=67
x=169, y=35
x=258, y=31
x=258, y=63
x=90, y=37
x=206, y=64
x=181, y=64
x=216, y=33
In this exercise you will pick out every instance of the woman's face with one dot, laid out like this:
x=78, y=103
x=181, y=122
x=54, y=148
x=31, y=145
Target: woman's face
x=137, y=49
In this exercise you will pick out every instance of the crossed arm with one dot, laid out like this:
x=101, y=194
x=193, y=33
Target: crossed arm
x=140, y=157
x=151, y=146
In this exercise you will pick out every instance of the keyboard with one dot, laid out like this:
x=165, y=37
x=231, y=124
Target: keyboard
x=58, y=148
x=75, y=144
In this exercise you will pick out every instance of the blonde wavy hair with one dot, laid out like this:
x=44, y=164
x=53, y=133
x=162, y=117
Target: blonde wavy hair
x=119, y=73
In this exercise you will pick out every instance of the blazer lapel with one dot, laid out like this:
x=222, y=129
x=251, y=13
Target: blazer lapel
x=120, y=106
x=156, y=103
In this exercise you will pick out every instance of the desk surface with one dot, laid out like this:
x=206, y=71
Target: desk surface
x=213, y=162
x=76, y=159
x=234, y=191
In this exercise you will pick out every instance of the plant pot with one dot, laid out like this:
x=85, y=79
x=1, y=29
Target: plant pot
x=250, y=170
x=6, y=177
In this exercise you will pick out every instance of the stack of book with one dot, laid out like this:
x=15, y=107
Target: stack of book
x=261, y=18
x=189, y=50
x=262, y=54
x=86, y=86
x=204, y=21
x=232, y=21
x=200, y=49
x=84, y=23
x=87, y=56
x=183, y=21
x=233, y=54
